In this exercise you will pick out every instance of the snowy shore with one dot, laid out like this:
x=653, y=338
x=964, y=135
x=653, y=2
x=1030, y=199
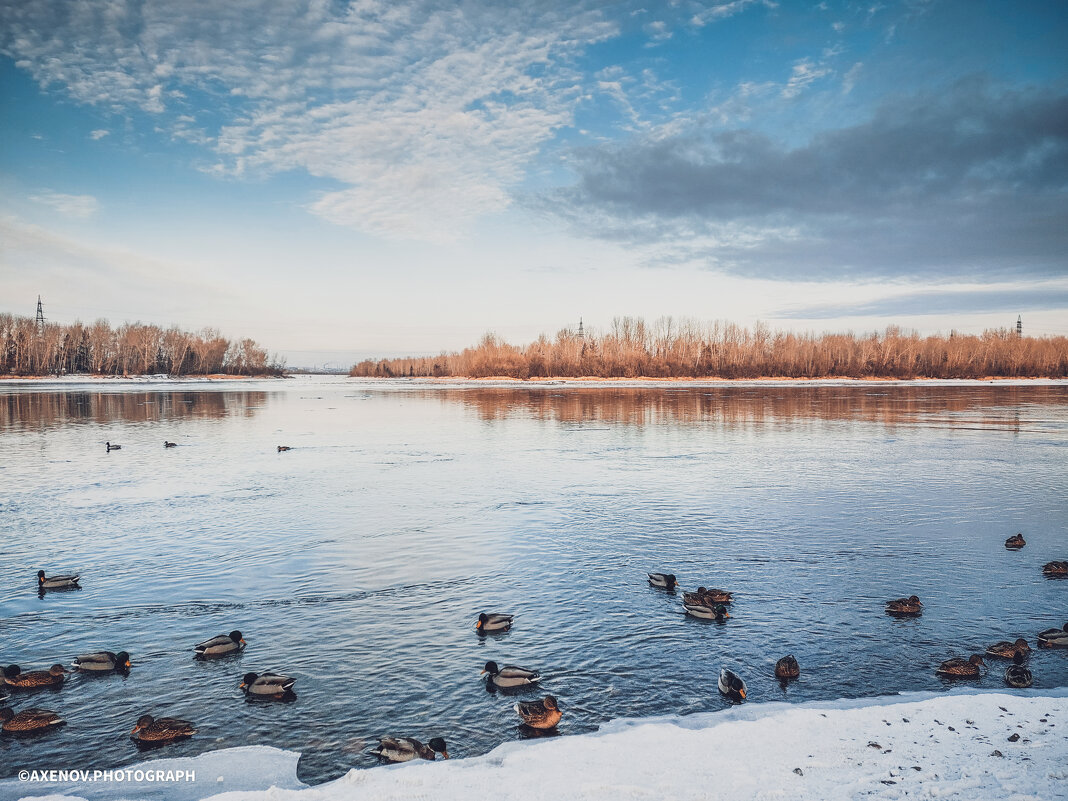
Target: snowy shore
x=964, y=745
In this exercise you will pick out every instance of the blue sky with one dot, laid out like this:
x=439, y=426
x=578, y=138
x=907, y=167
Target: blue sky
x=341, y=178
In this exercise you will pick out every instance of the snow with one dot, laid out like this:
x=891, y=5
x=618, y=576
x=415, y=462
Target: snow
x=918, y=745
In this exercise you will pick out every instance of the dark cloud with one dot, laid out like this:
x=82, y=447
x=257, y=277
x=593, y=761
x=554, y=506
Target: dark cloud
x=1009, y=301
x=973, y=181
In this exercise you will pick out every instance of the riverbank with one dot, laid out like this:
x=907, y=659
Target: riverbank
x=963, y=745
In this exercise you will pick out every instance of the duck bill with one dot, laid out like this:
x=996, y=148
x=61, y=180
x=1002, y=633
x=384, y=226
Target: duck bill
x=742, y=694
x=242, y=686
x=135, y=729
x=127, y=663
x=243, y=641
x=478, y=625
x=444, y=754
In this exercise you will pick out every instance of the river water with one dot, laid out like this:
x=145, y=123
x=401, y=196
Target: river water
x=358, y=561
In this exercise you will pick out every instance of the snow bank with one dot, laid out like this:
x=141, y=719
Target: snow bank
x=917, y=745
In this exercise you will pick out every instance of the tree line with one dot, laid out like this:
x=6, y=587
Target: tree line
x=668, y=348
x=27, y=349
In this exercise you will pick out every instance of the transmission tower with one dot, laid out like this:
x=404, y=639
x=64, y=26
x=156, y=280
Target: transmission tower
x=581, y=333
x=1019, y=325
x=40, y=321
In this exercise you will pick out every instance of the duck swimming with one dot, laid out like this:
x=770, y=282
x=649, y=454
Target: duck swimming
x=958, y=668
x=1053, y=638
x=1016, y=675
x=543, y=714
x=35, y=679
x=510, y=675
x=702, y=612
x=706, y=597
x=111, y=447
x=1057, y=569
x=223, y=645
x=268, y=685
x=167, y=444
x=493, y=622
x=731, y=685
x=284, y=448
x=56, y=582
x=28, y=720
x=787, y=668
x=1015, y=542
x=1007, y=650
x=103, y=662
x=163, y=730
x=905, y=607
x=665, y=580
x=405, y=749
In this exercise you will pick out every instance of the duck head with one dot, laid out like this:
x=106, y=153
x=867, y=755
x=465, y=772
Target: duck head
x=235, y=635
x=491, y=668
x=122, y=660
x=1021, y=644
x=914, y=599
x=142, y=722
x=482, y=620
x=57, y=670
x=438, y=744
x=40, y=577
x=977, y=660
x=722, y=613
x=670, y=581
x=12, y=671
x=247, y=680
x=1018, y=658
x=550, y=702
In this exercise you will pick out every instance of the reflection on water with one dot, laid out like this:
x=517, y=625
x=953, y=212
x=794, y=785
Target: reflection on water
x=358, y=561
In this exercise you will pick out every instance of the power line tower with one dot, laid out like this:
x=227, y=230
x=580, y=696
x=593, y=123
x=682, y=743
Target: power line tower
x=1019, y=325
x=40, y=321
x=581, y=332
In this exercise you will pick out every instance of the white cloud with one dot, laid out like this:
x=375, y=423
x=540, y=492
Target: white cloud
x=849, y=80
x=79, y=206
x=804, y=73
x=721, y=10
x=99, y=133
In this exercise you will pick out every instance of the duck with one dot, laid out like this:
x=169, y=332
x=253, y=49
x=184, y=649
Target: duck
x=961, y=668
x=164, y=730
x=284, y=448
x=111, y=447
x=543, y=714
x=167, y=444
x=787, y=668
x=731, y=685
x=28, y=720
x=665, y=580
x=102, y=662
x=405, y=749
x=1016, y=675
x=56, y=582
x=223, y=645
x=1015, y=542
x=905, y=607
x=267, y=685
x=35, y=679
x=510, y=675
x=1007, y=650
x=493, y=622
x=1055, y=569
x=702, y=612
x=1053, y=638
x=706, y=597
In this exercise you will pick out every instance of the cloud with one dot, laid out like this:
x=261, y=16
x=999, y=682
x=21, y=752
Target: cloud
x=1008, y=300
x=969, y=181
x=804, y=74
x=421, y=113
x=99, y=133
x=79, y=206
x=706, y=14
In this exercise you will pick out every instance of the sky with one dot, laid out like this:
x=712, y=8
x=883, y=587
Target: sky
x=340, y=179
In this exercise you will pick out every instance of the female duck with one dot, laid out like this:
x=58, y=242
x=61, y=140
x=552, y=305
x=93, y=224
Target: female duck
x=56, y=582
x=1008, y=650
x=405, y=749
x=1053, y=638
x=29, y=720
x=223, y=645
x=1056, y=569
x=510, y=675
x=35, y=679
x=905, y=607
x=543, y=714
x=269, y=685
x=665, y=580
x=163, y=730
x=787, y=668
x=1016, y=675
x=493, y=622
x=1015, y=542
x=731, y=685
x=958, y=668
x=103, y=662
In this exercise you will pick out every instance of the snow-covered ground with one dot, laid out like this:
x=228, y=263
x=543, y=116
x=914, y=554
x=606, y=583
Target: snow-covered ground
x=964, y=745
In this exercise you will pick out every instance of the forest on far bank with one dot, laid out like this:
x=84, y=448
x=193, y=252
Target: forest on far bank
x=689, y=349
x=27, y=349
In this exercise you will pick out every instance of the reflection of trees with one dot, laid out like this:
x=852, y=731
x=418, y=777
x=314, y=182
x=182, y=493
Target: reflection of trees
x=46, y=409
x=987, y=405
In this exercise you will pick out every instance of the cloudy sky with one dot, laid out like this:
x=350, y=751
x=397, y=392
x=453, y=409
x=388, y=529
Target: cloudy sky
x=340, y=177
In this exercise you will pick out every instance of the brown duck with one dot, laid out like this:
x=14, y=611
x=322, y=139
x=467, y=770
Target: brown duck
x=905, y=607
x=1007, y=650
x=28, y=720
x=1015, y=542
x=787, y=668
x=35, y=679
x=543, y=714
x=1055, y=569
x=163, y=730
x=706, y=597
x=961, y=668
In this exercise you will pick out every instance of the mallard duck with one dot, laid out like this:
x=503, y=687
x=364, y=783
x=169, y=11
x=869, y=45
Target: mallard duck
x=543, y=714
x=56, y=582
x=103, y=662
x=267, y=685
x=731, y=685
x=405, y=749
x=1015, y=542
x=493, y=622
x=961, y=668
x=111, y=447
x=284, y=448
x=1016, y=675
x=905, y=607
x=35, y=679
x=510, y=675
x=164, y=730
x=1055, y=569
x=1007, y=650
x=167, y=444
x=718, y=613
x=28, y=720
x=223, y=645
x=787, y=668
x=665, y=580
x=1053, y=638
